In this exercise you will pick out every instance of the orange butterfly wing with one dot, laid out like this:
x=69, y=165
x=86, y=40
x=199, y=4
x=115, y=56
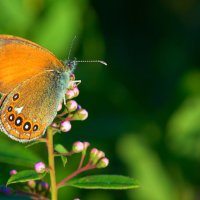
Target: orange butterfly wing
x=21, y=59
x=33, y=103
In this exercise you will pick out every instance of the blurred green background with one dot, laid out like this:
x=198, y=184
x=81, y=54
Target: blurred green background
x=144, y=108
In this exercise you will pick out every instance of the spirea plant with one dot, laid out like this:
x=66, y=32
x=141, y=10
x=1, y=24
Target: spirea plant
x=30, y=183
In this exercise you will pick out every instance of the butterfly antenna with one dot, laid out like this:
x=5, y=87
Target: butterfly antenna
x=70, y=50
x=91, y=61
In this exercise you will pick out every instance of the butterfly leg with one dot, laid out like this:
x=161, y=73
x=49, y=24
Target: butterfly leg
x=72, y=83
x=77, y=82
x=64, y=99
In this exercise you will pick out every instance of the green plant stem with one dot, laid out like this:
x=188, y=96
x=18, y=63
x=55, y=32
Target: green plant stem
x=51, y=163
x=82, y=159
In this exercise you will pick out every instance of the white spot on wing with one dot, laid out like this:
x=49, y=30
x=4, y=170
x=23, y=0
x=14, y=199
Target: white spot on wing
x=19, y=110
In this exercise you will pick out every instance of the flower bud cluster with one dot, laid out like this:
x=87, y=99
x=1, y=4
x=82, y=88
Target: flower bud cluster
x=72, y=93
x=98, y=158
x=38, y=186
x=78, y=147
x=70, y=110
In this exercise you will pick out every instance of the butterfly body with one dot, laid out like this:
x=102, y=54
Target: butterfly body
x=33, y=82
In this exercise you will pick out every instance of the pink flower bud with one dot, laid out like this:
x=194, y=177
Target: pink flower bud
x=78, y=147
x=65, y=126
x=93, y=154
x=31, y=184
x=103, y=163
x=81, y=114
x=94, y=151
x=100, y=154
x=71, y=105
x=86, y=145
x=70, y=94
x=59, y=107
x=96, y=155
x=76, y=92
x=40, y=167
x=13, y=172
x=45, y=185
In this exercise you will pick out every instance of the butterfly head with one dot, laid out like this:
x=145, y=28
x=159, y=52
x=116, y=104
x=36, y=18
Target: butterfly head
x=70, y=65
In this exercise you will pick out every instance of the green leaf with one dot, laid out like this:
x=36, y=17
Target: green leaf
x=15, y=153
x=24, y=176
x=61, y=149
x=64, y=160
x=111, y=182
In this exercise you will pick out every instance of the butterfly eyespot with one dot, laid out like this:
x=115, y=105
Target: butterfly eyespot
x=18, y=121
x=35, y=127
x=11, y=117
x=15, y=97
x=10, y=108
x=27, y=126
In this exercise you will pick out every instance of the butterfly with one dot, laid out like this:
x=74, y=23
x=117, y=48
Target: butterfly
x=33, y=83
